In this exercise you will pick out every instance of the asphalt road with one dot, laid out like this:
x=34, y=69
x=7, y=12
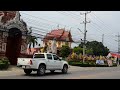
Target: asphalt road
x=73, y=73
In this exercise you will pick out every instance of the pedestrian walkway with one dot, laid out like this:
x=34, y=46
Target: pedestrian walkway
x=77, y=68
x=12, y=70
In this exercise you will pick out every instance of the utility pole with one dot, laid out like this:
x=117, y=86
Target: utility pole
x=58, y=26
x=118, y=46
x=118, y=42
x=102, y=38
x=85, y=31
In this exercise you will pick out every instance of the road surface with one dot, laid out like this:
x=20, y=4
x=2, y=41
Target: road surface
x=73, y=73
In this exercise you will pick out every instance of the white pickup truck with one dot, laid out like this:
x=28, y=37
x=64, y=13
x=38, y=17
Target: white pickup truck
x=42, y=62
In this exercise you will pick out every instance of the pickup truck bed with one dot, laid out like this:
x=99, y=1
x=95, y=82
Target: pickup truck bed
x=23, y=61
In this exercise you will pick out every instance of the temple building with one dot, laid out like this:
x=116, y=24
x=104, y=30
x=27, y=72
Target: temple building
x=13, y=35
x=61, y=36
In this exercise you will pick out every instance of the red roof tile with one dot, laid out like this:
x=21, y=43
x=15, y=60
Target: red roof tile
x=59, y=34
x=32, y=50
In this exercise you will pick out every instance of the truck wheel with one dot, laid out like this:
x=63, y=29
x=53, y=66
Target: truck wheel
x=52, y=71
x=41, y=70
x=27, y=71
x=65, y=69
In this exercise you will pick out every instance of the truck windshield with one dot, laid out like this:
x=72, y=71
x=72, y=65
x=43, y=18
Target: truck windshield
x=39, y=56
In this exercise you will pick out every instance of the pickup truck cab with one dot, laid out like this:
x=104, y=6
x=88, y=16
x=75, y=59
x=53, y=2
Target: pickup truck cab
x=42, y=62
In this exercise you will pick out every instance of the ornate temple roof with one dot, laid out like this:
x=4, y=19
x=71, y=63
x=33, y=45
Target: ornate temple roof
x=60, y=35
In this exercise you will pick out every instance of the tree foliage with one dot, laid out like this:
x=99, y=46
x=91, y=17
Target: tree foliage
x=78, y=50
x=32, y=40
x=89, y=51
x=98, y=48
x=95, y=48
x=65, y=51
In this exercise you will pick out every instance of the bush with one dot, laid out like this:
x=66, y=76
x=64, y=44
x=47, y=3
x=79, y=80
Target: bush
x=4, y=63
x=85, y=64
x=65, y=51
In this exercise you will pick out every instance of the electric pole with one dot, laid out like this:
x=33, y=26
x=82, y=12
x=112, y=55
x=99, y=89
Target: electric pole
x=58, y=26
x=102, y=38
x=85, y=31
x=118, y=45
x=118, y=42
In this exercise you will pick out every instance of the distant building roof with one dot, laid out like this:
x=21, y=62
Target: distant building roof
x=59, y=34
x=31, y=51
x=114, y=54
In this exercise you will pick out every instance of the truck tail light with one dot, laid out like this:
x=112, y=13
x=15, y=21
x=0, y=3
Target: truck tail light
x=31, y=62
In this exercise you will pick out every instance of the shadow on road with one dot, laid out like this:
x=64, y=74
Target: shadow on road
x=47, y=74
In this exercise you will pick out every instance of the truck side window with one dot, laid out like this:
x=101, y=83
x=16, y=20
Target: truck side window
x=39, y=56
x=55, y=57
x=49, y=56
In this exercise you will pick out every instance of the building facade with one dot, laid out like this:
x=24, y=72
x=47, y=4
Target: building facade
x=61, y=36
x=13, y=35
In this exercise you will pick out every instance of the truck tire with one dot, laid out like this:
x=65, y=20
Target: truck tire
x=65, y=69
x=52, y=71
x=41, y=70
x=27, y=71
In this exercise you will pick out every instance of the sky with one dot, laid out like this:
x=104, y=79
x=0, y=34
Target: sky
x=101, y=22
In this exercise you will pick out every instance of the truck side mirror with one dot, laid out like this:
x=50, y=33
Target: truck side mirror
x=60, y=58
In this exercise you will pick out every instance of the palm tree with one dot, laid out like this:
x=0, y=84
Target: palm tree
x=32, y=41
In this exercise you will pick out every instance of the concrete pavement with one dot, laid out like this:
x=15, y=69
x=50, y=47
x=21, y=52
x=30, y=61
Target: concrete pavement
x=73, y=73
x=14, y=70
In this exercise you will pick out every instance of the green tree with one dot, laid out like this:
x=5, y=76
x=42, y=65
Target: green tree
x=89, y=51
x=65, y=51
x=81, y=45
x=78, y=50
x=97, y=47
x=32, y=40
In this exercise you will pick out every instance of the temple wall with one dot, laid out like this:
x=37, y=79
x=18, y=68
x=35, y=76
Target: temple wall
x=7, y=22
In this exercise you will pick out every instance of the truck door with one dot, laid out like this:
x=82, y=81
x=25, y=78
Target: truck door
x=50, y=62
x=57, y=62
x=37, y=58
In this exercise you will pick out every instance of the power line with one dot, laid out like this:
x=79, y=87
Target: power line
x=92, y=22
x=44, y=19
x=74, y=18
x=102, y=22
x=36, y=21
x=92, y=26
x=81, y=18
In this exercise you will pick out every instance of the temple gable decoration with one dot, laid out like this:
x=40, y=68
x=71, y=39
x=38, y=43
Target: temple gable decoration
x=11, y=19
x=13, y=35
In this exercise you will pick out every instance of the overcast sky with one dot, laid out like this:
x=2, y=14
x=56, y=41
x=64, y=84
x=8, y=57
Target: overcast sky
x=101, y=22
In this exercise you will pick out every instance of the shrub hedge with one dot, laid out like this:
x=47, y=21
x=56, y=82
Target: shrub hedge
x=86, y=64
x=4, y=64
